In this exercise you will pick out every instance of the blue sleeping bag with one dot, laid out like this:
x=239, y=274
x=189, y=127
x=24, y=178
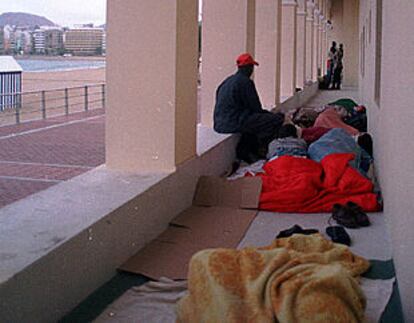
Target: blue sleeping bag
x=339, y=141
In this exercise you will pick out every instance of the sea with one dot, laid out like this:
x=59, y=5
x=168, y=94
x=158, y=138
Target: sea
x=49, y=65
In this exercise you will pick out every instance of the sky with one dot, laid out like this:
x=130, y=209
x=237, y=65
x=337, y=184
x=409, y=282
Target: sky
x=61, y=12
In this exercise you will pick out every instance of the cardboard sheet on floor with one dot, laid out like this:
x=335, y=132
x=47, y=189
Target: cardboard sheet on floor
x=220, y=216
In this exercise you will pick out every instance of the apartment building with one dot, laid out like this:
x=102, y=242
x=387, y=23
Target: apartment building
x=9, y=39
x=84, y=41
x=48, y=40
x=1, y=41
x=23, y=39
x=54, y=41
x=39, y=37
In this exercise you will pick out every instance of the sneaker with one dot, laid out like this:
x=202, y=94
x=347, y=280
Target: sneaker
x=344, y=216
x=360, y=216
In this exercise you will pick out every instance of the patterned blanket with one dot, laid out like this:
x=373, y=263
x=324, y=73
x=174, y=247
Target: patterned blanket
x=296, y=279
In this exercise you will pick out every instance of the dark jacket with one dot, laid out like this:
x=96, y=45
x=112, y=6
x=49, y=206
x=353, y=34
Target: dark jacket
x=236, y=100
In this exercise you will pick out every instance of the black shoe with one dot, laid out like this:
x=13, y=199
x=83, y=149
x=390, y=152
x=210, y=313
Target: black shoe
x=365, y=142
x=360, y=216
x=338, y=235
x=344, y=216
x=234, y=167
x=296, y=229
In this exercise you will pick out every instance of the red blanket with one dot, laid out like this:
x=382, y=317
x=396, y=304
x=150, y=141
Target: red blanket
x=292, y=184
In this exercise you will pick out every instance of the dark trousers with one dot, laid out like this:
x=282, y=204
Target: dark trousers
x=336, y=84
x=256, y=134
x=330, y=72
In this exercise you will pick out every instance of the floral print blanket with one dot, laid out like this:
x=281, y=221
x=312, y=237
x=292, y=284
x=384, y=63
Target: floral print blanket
x=302, y=278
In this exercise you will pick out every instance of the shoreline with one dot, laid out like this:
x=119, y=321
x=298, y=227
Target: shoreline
x=59, y=58
x=66, y=69
x=40, y=64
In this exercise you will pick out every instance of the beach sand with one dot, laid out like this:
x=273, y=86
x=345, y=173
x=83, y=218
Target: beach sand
x=54, y=83
x=39, y=81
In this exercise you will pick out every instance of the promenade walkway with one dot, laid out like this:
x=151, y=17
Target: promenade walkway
x=118, y=299
x=38, y=154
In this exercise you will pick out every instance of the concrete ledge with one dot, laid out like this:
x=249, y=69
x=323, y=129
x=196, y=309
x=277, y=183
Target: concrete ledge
x=207, y=138
x=299, y=99
x=59, y=245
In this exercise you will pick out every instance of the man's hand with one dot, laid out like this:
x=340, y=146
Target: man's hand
x=288, y=119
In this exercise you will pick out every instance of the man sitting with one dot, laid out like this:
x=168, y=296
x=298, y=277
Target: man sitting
x=238, y=110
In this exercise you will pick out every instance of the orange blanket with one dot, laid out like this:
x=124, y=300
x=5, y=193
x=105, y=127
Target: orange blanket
x=296, y=279
x=293, y=184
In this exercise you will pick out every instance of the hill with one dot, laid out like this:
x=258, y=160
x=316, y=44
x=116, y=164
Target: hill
x=24, y=19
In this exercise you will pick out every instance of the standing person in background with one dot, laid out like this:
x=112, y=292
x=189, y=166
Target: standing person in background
x=341, y=52
x=337, y=76
x=238, y=110
x=331, y=62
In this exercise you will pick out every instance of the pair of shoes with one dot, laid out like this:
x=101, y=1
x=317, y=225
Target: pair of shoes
x=350, y=215
x=296, y=229
x=338, y=235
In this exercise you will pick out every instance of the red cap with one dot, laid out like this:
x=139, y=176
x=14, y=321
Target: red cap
x=246, y=59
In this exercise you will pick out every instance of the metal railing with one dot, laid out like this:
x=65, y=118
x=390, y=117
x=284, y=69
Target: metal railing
x=26, y=106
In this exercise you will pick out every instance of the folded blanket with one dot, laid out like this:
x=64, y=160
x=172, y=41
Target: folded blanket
x=296, y=279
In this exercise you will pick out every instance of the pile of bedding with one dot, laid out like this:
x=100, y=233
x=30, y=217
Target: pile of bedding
x=292, y=184
x=322, y=164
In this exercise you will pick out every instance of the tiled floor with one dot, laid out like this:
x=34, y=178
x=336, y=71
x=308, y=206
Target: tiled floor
x=38, y=154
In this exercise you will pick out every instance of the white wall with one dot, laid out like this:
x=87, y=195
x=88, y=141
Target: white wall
x=391, y=123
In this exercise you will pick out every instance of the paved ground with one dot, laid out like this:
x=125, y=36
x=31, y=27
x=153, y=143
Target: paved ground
x=324, y=97
x=38, y=154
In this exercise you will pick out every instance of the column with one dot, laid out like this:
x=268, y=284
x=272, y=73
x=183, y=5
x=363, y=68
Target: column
x=324, y=49
x=228, y=30
x=315, y=57
x=301, y=44
x=321, y=6
x=151, y=84
x=268, y=38
x=321, y=54
x=309, y=41
x=326, y=42
x=288, y=63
